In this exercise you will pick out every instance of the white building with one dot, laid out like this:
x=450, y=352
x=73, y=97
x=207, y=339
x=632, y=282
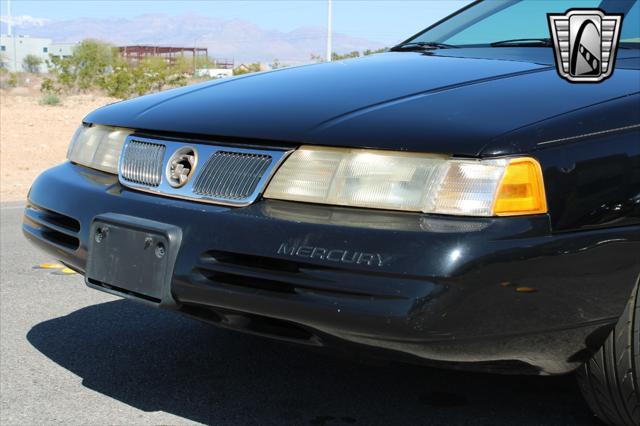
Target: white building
x=214, y=72
x=61, y=50
x=13, y=50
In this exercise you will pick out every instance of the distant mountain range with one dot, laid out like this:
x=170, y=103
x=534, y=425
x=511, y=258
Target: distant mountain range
x=241, y=40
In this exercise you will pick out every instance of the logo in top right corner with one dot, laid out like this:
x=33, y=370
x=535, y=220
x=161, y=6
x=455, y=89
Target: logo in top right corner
x=585, y=43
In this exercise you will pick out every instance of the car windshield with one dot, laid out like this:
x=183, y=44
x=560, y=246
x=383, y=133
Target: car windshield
x=521, y=22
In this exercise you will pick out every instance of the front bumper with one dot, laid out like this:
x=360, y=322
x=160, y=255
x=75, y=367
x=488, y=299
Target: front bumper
x=481, y=293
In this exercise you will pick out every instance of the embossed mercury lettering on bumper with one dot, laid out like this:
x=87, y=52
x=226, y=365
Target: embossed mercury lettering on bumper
x=334, y=255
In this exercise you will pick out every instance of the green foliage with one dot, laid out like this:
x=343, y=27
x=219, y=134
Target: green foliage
x=337, y=57
x=355, y=54
x=84, y=69
x=201, y=62
x=31, y=63
x=13, y=79
x=154, y=74
x=183, y=65
x=149, y=75
x=98, y=65
x=8, y=79
x=368, y=52
x=48, y=85
x=247, y=68
x=50, y=99
x=120, y=82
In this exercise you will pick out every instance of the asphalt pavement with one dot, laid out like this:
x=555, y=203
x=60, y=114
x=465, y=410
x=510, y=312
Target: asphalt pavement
x=71, y=355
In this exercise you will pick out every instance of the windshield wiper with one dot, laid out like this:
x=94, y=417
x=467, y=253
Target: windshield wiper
x=524, y=42
x=421, y=45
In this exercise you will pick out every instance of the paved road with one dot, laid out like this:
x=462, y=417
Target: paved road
x=71, y=355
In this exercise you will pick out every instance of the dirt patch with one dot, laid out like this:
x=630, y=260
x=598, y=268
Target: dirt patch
x=34, y=137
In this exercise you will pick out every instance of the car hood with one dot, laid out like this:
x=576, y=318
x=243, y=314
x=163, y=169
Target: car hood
x=456, y=102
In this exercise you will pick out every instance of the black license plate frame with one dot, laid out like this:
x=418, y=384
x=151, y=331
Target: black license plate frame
x=133, y=257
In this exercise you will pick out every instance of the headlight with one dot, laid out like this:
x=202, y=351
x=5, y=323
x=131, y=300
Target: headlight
x=410, y=182
x=98, y=147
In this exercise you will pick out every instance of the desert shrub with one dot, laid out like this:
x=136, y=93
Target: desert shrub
x=31, y=63
x=84, y=69
x=154, y=74
x=48, y=85
x=13, y=79
x=247, y=68
x=8, y=79
x=338, y=57
x=355, y=54
x=50, y=99
x=149, y=75
x=119, y=82
x=368, y=52
x=98, y=65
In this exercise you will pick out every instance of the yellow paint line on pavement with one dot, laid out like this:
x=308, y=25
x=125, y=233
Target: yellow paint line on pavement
x=65, y=271
x=50, y=266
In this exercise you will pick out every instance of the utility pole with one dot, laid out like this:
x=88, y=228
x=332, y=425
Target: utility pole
x=329, y=30
x=9, y=22
x=11, y=36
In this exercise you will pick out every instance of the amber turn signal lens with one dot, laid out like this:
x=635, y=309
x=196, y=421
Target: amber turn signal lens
x=521, y=190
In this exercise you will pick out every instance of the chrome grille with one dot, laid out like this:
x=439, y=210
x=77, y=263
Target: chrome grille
x=226, y=175
x=231, y=175
x=142, y=163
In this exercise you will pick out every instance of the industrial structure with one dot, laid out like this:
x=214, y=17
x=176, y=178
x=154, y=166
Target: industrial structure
x=169, y=53
x=215, y=68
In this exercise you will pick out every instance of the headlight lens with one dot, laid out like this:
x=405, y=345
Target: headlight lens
x=410, y=182
x=98, y=147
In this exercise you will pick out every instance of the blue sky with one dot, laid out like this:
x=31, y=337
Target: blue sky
x=379, y=20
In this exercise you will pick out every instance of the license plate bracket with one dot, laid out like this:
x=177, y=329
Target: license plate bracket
x=133, y=257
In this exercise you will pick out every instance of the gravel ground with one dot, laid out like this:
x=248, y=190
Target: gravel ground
x=34, y=137
x=74, y=356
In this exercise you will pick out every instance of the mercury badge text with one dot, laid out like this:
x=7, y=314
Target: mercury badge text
x=333, y=255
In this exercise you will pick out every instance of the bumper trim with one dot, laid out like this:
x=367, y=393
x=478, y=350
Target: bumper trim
x=423, y=301
x=58, y=229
